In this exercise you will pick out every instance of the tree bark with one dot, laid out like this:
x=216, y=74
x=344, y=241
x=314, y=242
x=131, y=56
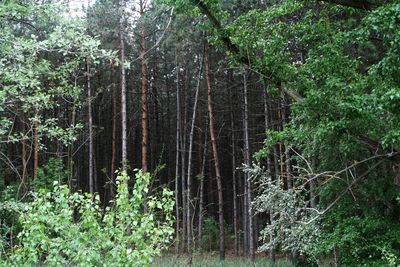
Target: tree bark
x=268, y=126
x=24, y=177
x=113, y=142
x=90, y=125
x=248, y=188
x=177, y=158
x=288, y=164
x=234, y=189
x=215, y=156
x=202, y=173
x=36, y=145
x=124, y=158
x=144, y=85
x=189, y=169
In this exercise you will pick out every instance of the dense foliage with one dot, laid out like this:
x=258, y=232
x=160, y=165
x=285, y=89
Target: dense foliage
x=313, y=87
x=61, y=228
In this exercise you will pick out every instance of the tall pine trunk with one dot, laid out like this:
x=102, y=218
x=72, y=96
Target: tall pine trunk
x=24, y=158
x=189, y=225
x=36, y=145
x=248, y=189
x=215, y=156
x=144, y=85
x=202, y=175
x=90, y=125
x=113, y=141
x=234, y=186
x=268, y=127
x=177, y=158
x=124, y=158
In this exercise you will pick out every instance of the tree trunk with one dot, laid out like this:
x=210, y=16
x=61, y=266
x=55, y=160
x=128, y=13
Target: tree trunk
x=269, y=162
x=216, y=159
x=189, y=169
x=124, y=158
x=285, y=120
x=249, y=211
x=144, y=95
x=203, y=166
x=36, y=145
x=185, y=220
x=113, y=142
x=178, y=137
x=234, y=189
x=24, y=177
x=90, y=125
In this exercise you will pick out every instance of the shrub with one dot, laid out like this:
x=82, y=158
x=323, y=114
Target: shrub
x=54, y=170
x=60, y=228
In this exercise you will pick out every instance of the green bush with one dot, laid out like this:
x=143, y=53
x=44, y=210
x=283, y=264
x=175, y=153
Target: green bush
x=54, y=170
x=209, y=239
x=60, y=228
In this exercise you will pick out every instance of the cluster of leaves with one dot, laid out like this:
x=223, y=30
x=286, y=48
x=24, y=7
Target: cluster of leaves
x=345, y=64
x=42, y=53
x=60, y=228
x=210, y=237
x=293, y=226
x=53, y=170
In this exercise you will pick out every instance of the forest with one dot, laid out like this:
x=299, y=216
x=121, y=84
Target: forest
x=200, y=133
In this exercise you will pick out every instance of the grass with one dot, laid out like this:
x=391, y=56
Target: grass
x=212, y=259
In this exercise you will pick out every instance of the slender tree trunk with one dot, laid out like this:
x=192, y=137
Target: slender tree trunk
x=189, y=170
x=202, y=173
x=144, y=95
x=216, y=159
x=247, y=162
x=9, y=174
x=90, y=125
x=234, y=189
x=275, y=126
x=267, y=127
x=24, y=157
x=36, y=145
x=72, y=181
x=288, y=165
x=177, y=158
x=269, y=162
x=185, y=220
x=124, y=158
x=113, y=142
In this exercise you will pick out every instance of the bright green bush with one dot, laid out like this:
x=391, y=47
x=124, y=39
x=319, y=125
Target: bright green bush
x=60, y=228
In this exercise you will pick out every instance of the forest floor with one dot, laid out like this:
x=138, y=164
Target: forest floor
x=212, y=259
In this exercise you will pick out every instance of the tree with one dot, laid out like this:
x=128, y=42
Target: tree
x=215, y=155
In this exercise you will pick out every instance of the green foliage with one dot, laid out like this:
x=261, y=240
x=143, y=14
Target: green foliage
x=210, y=236
x=9, y=212
x=209, y=239
x=61, y=228
x=53, y=170
x=42, y=52
x=366, y=241
x=294, y=227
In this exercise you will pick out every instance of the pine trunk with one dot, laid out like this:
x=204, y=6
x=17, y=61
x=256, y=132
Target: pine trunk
x=124, y=158
x=248, y=188
x=177, y=158
x=144, y=95
x=189, y=170
x=90, y=125
x=216, y=159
